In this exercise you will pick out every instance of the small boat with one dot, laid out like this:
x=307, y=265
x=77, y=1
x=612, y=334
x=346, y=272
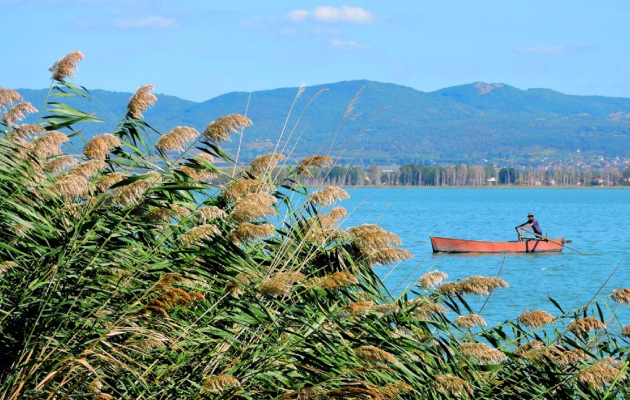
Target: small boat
x=451, y=245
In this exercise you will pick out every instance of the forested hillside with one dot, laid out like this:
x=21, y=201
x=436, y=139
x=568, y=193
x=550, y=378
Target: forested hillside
x=374, y=123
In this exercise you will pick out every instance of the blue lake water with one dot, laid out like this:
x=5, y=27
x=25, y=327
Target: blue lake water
x=596, y=220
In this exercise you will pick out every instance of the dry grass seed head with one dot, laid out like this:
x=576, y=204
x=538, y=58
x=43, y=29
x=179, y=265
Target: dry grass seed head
x=103, y=396
x=98, y=147
x=431, y=279
x=371, y=238
x=133, y=192
x=248, y=231
x=385, y=308
x=621, y=296
x=217, y=384
x=58, y=163
x=88, y=169
x=266, y=163
x=426, y=309
x=280, y=284
x=195, y=236
x=109, y=180
x=338, y=280
x=535, y=319
x=49, y=144
x=328, y=196
x=28, y=130
x=253, y=207
x=585, y=325
x=18, y=112
x=451, y=385
x=359, y=307
x=598, y=375
x=198, y=174
x=317, y=161
x=470, y=321
x=375, y=355
x=167, y=281
x=222, y=128
x=482, y=353
x=65, y=66
x=8, y=97
x=72, y=186
x=241, y=187
x=175, y=297
x=527, y=349
x=208, y=214
x=5, y=266
x=388, y=256
x=141, y=101
x=625, y=331
x=568, y=357
x=177, y=139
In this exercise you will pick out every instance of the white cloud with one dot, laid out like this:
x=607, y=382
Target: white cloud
x=146, y=22
x=348, y=45
x=328, y=14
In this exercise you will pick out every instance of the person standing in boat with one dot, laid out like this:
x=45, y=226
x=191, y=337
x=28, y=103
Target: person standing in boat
x=530, y=223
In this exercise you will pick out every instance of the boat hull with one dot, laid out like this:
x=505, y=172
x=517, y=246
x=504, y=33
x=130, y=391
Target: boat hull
x=451, y=245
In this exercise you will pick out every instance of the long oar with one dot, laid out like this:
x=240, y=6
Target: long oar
x=552, y=241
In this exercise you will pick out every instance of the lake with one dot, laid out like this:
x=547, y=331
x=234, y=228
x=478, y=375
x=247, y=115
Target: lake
x=594, y=219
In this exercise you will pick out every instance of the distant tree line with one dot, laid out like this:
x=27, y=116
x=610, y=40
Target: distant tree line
x=468, y=175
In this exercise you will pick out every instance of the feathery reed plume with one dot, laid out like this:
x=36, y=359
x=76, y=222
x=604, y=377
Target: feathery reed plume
x=470, y=321
x=109, y=180
x=358, y=307
x=385, y=308
x=177, y=139
x=103, y=396
x=317, y=161
x=598, y=375
x=145, y=344
x=388, y=256
x=198, y=174
x=99, y=146
x=148, y=310
x=625, y=331
x=473, y=285
x=621, y=296
x=536, y=318
x=167, y=281
x=235, y=288
x=338, y=280
x=8, y=97
x=65, y=66
x=219, y=383
x=175, y=297
x=431, y=279
x=266, y=163
x=222, y=128
x=248, y=231
x=57, y=163
x=132, y=193
x=164, y=214
x=329, y=195
x=426, y=309
x=482, y=353
x=253, y=207
x=72, y=186
x=568, y=357
x=324, y=236
x=585, y=325
x=96, y=386
x=280, y=284
x=527, y=348
x=241, y=187
x=396, y=389
x=5, y=266
x=18, y=112
x=74, y=210
x=88, y=169
x=27, y=130
x=452, y=386
x=375, y=355
x=141, y=101
x=370, y=238
x=195, y=236
x=209, y=213
x=49, y=144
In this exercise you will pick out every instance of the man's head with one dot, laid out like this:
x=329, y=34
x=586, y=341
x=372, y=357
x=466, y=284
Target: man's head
x=530, y=216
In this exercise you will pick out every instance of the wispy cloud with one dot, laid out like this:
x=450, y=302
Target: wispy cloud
x=552, y=50
x=348, y=45
x=329, y=14
x=145, y=22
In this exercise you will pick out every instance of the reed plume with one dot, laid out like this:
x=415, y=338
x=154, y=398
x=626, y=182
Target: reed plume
x=175, y=297
x=195, y=236
x=217, y=384
x=27, y=130
x=209, y=213
x=8, y=97
x=375, y=355
x=388, y=256
x=475, y=284
x=17, y=113
x=57, y=163
x=64, y=67
x=72, y=186
x=98, y=147
x=241, y=187
x=452, y=386
x=482, y=353
x=585, y=325
x=198, y=174
x=5, y=266
x=338, y=280
x=370, y=238
x=265, y=163
x=280, y=284
x=131, y=193
x=248, y=231
x=222, y=128
x=598, y=375
x=621, y=296
x=535, y=318
x=177, y=139
x=88, y=169
x=358, y=307
x=470, y=321
x=329, y=195
x=431, y=279
x=141, y=101
x=108, y=180
x=385, y=308
x=625, y=331
x=424, y=309
x=317, y=161
x=49, y=144
x=253, y=207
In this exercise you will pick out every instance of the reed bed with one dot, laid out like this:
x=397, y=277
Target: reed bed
x=125, y=274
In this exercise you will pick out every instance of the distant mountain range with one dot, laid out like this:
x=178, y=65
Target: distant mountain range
x=391, y=124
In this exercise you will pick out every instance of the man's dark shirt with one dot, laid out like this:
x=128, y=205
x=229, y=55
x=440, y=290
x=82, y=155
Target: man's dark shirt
x=535, y=226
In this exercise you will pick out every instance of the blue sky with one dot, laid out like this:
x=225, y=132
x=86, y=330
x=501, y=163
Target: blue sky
x=198, y=49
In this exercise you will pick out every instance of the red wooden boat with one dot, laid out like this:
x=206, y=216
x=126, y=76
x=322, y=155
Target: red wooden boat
x=450, y=245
